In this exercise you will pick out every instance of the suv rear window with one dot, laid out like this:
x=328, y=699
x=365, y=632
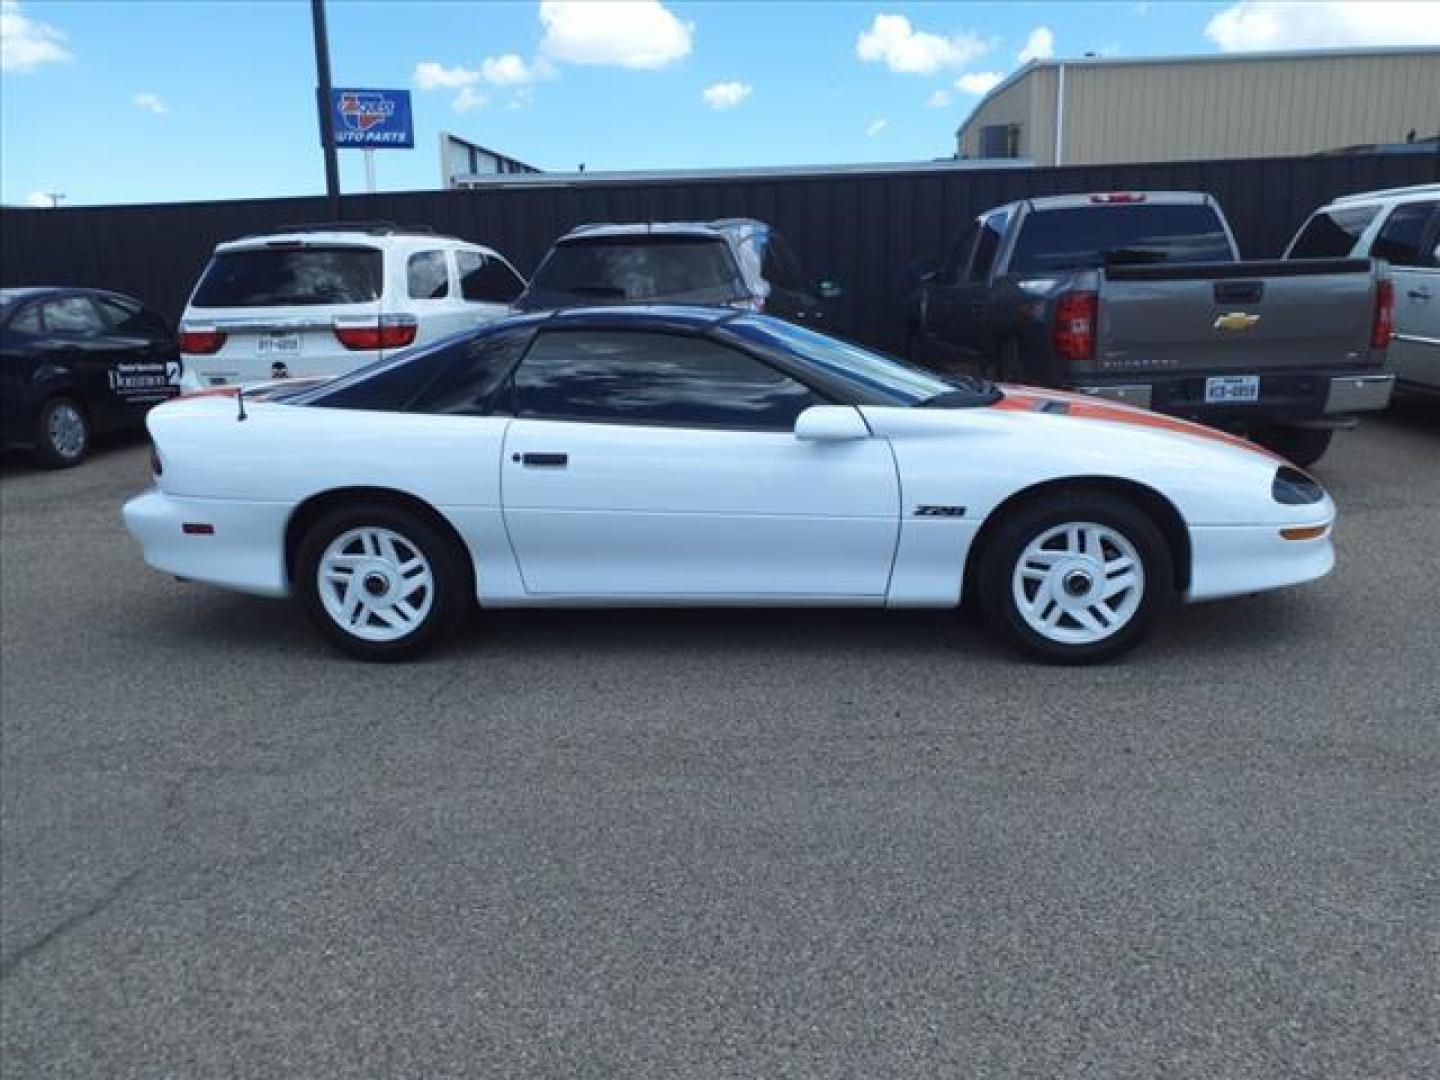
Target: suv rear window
x=640, y=268
x=1331, y=234
x=1134, y=234
x=275, y=277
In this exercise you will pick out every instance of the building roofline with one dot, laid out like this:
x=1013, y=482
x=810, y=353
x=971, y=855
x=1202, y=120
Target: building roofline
x=758, y=172
x=1190, y=58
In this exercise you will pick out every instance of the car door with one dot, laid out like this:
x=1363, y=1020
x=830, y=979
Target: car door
x=1410, y=240
x=650, y=466
x=947, y=294
x=792, y=294
x=971, y=317
x=78, y=355
x=145, y=362
x=488, y=285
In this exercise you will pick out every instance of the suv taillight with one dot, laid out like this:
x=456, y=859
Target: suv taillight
x=201, y=341
x=1072, y=334
x=1382, y=328
x=388, y=332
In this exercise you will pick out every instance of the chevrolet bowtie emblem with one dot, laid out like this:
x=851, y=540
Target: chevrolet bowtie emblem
x=1236, y=320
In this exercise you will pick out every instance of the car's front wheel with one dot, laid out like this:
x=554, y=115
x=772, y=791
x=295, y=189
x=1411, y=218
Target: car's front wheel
x=1076, y=578
x=381, y=581
x=63, y=438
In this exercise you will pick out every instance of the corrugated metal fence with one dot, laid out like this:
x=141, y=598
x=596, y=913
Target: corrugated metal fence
x=863, y=230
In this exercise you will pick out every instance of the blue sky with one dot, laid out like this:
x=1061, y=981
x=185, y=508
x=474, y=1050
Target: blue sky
x=170, y=101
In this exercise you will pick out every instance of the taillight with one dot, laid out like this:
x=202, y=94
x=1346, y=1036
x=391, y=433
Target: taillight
x=388, y=332
x=1072, y=334
x=1383, y=326
x=201, y=341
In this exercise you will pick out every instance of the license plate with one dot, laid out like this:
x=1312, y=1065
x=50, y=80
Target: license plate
x=1223, y=388
x=282, y=343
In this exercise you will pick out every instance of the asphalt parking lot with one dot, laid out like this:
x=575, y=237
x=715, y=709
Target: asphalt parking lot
x=747, y=844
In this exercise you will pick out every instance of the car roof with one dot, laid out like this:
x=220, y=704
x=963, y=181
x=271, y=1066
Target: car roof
x=30, y=292
x=1415, y=191
x=1167, y=198
x=722, y=228
x=351, y=238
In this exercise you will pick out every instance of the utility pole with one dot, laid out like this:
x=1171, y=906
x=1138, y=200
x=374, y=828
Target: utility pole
x=322, y=101
x=54, y=197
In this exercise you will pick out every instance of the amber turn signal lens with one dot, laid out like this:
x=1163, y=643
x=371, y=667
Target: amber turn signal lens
x=1304, y=532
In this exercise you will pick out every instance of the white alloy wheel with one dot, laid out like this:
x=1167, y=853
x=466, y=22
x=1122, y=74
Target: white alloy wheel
x=375, y=584
x=1078, y=583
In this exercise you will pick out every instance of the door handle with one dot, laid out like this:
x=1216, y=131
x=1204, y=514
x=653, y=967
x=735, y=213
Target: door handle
x=1422, y=294
x=552, y=461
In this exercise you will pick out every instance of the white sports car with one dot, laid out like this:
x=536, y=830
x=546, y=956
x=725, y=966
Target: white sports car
x=689, y=456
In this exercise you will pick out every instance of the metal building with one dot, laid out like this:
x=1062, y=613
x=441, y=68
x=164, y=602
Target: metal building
x=1098, y=110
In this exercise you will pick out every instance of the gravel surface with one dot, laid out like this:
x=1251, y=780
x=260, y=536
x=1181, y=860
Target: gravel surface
x=749, y=844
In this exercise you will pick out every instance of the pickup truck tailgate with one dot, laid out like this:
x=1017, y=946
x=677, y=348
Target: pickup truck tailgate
x=1245, y=318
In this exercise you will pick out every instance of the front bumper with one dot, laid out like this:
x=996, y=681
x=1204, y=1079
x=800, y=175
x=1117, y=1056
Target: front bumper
x=244, y=551
x=1287, y=396
x=1235, y=560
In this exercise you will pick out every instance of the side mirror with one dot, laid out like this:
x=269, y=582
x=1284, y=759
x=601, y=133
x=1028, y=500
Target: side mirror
x=831, y=423
x=924, y=271
x=828, y=290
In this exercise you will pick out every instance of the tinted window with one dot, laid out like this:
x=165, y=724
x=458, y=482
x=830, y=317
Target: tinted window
x=640, y=268
x=1400, y=236
x=28, y=321
x=72, y=315
x=427, y=276
x=487, y=280
x=992, y=229
x=870, y=377
x=654, y=379
x=955, y=261
x=472, y=376
x=1331, y=234
x=272, y=277
x=1088, y=236
x=782, y=267
x=133, y=319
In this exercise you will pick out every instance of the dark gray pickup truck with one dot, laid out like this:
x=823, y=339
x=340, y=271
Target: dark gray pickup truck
x=1142, y=297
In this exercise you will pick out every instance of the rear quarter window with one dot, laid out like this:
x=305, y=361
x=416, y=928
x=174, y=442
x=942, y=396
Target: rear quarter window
x=1332, y=234
x=291, y=276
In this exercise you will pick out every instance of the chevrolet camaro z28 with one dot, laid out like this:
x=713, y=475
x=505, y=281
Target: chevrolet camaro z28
x=694, y=456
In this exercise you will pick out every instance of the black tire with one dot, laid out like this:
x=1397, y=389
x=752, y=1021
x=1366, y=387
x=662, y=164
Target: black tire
x=998, y=568
x=448, y=565
x=62, y=434
x=1302, y=446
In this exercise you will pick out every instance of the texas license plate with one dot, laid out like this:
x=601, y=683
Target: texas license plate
x=280, y=343
x=1224, y=388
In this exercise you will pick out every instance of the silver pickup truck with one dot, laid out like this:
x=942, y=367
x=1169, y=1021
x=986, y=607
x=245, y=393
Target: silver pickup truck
x=1142, y=297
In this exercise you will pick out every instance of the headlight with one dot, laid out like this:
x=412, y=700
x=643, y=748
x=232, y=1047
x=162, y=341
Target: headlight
x=1293, y=488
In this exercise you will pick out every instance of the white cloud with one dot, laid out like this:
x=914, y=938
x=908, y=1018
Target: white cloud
x=147, y=100
x=38, y=199
x=876, y=126
x=1040, y=45
x=469, y=98
x=726, y=95
x=512, y=70
x=1263, y=24
x=978, y=82
x=432, y=76
x=938, y=100
x=892, y=41
x=25, y=44
x=626, y=33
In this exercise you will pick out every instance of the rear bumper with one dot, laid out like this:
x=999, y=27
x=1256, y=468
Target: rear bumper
x=245, y=551
x=1294, y=395
x=204, y=372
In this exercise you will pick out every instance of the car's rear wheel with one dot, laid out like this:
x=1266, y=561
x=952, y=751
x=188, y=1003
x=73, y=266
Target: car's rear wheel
x=63, y=438
x=1302, y=446
x=1076, y=578
x=381, y=581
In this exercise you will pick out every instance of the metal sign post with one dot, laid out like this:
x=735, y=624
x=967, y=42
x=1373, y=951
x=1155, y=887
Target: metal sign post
x=369, y=171
x=323, y=96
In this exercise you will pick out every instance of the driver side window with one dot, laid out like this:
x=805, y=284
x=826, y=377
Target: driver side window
x=623, y=377
x=959, y=256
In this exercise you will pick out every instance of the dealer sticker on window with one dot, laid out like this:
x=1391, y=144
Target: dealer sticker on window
x=1225, y=388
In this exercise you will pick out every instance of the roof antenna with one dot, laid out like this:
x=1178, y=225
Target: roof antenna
x=240, y=401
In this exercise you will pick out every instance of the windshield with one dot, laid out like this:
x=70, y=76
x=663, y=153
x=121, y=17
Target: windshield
x=274, y=277
x=873, y=378
x=641, y=268
x=1091, y=236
